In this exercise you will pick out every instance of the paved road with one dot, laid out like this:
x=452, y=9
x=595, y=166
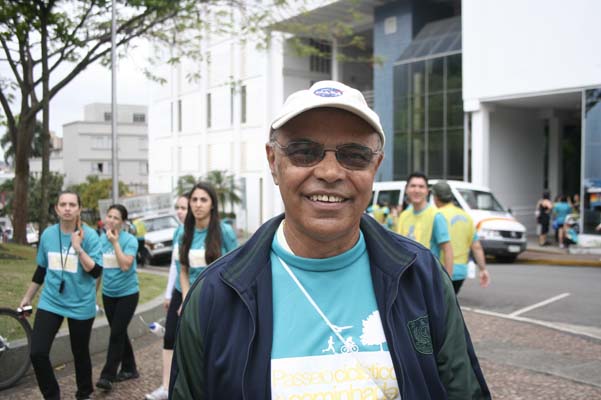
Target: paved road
x=515, y=287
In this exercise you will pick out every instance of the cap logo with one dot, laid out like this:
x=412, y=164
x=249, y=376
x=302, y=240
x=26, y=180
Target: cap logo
x=328, y=92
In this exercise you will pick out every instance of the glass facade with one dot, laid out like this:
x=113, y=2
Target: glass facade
x=592, y=162
x=428, y=118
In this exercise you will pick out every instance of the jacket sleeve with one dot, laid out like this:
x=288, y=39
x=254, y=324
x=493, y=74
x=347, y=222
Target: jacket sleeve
x=188, y=367
x=457, y=363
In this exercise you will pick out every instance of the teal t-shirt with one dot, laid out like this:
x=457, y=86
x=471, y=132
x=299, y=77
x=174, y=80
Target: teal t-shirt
x=196, y=255
x=460, y=270
x=78, y=299
x=310, y=358
x=116, y=283
x=561, y=211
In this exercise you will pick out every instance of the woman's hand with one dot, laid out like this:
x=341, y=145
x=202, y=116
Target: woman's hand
x=76, y=240
x=112, y=236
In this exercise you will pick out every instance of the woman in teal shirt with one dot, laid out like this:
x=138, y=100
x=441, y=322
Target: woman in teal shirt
x=120, y=294
x=204, y=237
x=69, y=261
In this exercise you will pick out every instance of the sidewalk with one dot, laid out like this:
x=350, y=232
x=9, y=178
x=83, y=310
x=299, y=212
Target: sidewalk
x=553, y=255
x=519, y=360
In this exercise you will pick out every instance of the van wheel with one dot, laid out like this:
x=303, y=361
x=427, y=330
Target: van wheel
x=508, y=259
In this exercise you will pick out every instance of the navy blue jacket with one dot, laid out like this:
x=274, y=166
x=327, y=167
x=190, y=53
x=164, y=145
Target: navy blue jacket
x=223, y=347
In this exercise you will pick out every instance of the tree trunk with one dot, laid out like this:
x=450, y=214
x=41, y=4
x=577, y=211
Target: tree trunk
x=43, y=222
x=25, y=130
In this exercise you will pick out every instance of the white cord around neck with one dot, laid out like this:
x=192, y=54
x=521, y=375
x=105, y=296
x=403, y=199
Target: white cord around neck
x=311, y=301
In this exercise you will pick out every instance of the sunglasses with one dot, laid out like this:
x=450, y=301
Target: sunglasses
x=305, y=153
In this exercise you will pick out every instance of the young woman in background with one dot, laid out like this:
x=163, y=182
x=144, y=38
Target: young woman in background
x=181, y=209
x=69, y=262
x=120, y=295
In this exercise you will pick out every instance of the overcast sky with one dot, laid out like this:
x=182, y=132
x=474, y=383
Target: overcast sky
x=94, y=86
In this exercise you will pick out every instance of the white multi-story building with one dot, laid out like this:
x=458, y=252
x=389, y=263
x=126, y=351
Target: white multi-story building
x=86, y=147
x=504, y=94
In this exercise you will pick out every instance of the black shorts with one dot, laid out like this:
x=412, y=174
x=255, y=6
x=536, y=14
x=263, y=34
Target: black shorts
x=172, y=319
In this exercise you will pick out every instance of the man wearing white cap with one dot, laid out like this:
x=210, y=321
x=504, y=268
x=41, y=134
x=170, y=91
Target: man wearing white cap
x=322, y=302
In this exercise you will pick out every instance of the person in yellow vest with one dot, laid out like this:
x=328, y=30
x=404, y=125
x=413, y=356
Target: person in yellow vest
x=142, y=257
x=423, y=223
x=464, y=237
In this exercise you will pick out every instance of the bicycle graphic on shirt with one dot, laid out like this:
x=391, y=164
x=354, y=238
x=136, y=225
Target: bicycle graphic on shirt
x=348, y=345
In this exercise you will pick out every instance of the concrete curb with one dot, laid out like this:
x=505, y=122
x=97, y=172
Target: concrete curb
x=558, y=262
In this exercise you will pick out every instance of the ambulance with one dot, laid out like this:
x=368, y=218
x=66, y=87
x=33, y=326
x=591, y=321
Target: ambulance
x=500, y=234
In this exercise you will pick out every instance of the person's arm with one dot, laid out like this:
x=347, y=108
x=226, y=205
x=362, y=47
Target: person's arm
x=184, y=281
x=455, y=358
x=170, y=281
x=29, y=294
x=440, y=234
x=188, y=365
x=480, y=258
x=448, y=256
x=125, y=261
x=86, y=261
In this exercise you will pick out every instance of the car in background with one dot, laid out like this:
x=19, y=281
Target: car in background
x=158, y=239
x=500, y=234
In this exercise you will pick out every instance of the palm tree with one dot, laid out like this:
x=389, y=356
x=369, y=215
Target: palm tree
x=226, y=187
x=36, y=144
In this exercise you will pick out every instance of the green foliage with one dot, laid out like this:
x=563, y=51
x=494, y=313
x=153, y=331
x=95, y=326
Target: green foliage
x=226, y=187
x=184, y=184
x=94, y=189
x=34, y=193
x=36, y=144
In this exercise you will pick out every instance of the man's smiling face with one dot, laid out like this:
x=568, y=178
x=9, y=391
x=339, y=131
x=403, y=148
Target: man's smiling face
x=325, y=201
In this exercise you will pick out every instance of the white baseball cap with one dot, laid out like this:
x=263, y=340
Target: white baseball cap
x=328, y=94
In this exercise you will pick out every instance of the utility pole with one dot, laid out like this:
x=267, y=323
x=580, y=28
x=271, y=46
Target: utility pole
x=114, y=105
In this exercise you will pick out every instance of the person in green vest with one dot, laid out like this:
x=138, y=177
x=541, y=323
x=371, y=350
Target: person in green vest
x=464, y=237
x=423, y=223
x=140, y=234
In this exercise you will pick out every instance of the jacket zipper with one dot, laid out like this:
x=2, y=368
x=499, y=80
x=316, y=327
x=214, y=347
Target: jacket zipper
x=252, y=336
x=388, y=320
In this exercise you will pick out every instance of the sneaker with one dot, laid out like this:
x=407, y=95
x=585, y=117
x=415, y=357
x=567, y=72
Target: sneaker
x=126, y=375
x=104, y=384
x=159, y=394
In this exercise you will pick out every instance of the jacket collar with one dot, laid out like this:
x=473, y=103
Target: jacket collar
x=386, y=253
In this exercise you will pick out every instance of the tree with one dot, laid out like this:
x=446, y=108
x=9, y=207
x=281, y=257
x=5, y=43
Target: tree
x=184, y=184
x=373, y=334
x=70, y=35
x=34, y=193
x=94, y=189
x=36, y=144
x=226, y=188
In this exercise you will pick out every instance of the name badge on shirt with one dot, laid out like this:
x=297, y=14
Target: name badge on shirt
x=70, y=260
x=197, y=258
x=109, y=261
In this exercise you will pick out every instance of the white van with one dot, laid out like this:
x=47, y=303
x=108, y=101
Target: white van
x=501, y=235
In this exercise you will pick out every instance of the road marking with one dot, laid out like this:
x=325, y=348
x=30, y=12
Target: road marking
x=537, y=305
x=588, y=331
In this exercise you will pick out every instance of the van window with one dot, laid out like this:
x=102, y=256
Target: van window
x=479, y=200
x=390, y=197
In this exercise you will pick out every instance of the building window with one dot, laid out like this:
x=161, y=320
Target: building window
x=101, y=168
x=243, y=104
x=208, y=110
x=103, y=142
x=107, y=116
x=140, y=118
x=143, y=143
x=428, y=118
x=320, y=61
x=143, y=168
x=179, y=115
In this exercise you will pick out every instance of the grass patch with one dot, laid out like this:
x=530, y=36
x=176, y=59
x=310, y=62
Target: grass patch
x=17, y=265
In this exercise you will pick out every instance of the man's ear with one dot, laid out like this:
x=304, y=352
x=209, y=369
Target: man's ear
x=271, y=160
